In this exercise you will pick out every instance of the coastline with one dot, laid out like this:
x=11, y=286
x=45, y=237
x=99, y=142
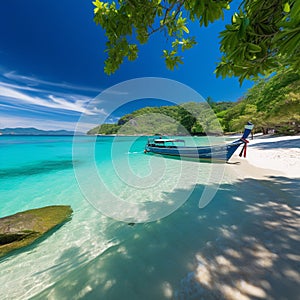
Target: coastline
x=255, y=256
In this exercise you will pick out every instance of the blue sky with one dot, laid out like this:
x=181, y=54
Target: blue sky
x=52, y=58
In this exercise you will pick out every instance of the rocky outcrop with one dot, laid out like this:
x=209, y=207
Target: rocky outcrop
x=23, y=228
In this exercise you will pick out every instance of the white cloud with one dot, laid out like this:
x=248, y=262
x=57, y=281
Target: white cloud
x=20, y=87
x=11, y=93
x=40, y=90
x=69, y=102
x=34, y=81
x=14, y=108
x=31, y=102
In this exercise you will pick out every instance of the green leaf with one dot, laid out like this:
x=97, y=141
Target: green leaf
x=286, y=7
x=254, y=48
x=233, y=19
x=185, y=29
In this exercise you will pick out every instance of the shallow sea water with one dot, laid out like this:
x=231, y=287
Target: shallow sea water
x=95, y=256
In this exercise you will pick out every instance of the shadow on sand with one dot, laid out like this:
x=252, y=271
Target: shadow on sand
x=243, y=245
x=285, y=144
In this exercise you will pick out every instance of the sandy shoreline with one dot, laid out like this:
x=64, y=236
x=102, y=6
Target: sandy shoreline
x=258, y=257
x=270, y=156
x=280, y=154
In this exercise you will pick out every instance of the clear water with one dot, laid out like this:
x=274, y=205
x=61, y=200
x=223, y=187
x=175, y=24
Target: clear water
x=94, y=256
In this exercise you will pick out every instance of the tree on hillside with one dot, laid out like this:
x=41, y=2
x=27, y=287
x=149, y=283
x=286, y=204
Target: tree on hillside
x=263, y=34
x=270, y=103
x=250, y=114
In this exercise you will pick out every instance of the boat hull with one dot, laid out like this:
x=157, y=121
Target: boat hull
x=220, y=153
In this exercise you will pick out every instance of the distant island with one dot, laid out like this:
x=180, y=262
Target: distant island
x=34, y=131
x=163, y=120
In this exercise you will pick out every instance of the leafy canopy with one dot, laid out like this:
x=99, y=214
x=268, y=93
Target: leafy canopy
x=264, y=37
x=263, y=34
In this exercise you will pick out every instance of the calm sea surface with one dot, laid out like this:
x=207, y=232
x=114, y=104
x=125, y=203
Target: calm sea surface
x=95, y=256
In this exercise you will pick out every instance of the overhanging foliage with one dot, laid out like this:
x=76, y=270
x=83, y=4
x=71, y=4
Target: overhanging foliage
x=262, y=37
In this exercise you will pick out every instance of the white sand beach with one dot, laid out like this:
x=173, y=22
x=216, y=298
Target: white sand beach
x=257, y=255
x=281, y=154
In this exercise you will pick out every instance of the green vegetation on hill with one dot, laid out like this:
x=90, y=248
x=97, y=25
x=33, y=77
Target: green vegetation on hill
x=188, y=118
x=149, y=121
x=269, y=104
x=272, y=103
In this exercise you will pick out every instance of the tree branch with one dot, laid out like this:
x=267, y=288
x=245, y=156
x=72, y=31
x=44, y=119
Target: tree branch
x=164, y=23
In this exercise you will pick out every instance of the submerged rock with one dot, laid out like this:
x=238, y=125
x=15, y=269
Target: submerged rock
x=23, y=228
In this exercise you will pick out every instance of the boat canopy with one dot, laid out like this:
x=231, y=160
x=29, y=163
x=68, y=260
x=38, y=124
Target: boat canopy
x=168, y=141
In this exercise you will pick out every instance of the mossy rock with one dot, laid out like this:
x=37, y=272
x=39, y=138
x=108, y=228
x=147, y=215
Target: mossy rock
x=23, y=228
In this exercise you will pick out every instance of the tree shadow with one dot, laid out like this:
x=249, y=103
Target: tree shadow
x=258, y=258
x=285, y=144
x=243, y=245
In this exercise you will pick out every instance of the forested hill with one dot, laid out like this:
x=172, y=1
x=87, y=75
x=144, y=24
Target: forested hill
x=269, y=104
x=188, y=118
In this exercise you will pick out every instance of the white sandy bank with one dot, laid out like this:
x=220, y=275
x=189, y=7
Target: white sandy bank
x=280, y=154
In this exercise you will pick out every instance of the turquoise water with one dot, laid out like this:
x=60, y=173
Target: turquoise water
x=97, y=255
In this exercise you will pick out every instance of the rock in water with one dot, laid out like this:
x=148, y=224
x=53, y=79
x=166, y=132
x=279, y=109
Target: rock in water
x=25, y=227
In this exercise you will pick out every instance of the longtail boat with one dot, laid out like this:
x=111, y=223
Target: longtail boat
x=177, y=148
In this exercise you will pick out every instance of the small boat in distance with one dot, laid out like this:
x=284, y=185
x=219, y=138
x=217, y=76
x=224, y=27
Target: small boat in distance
x=177, y=148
